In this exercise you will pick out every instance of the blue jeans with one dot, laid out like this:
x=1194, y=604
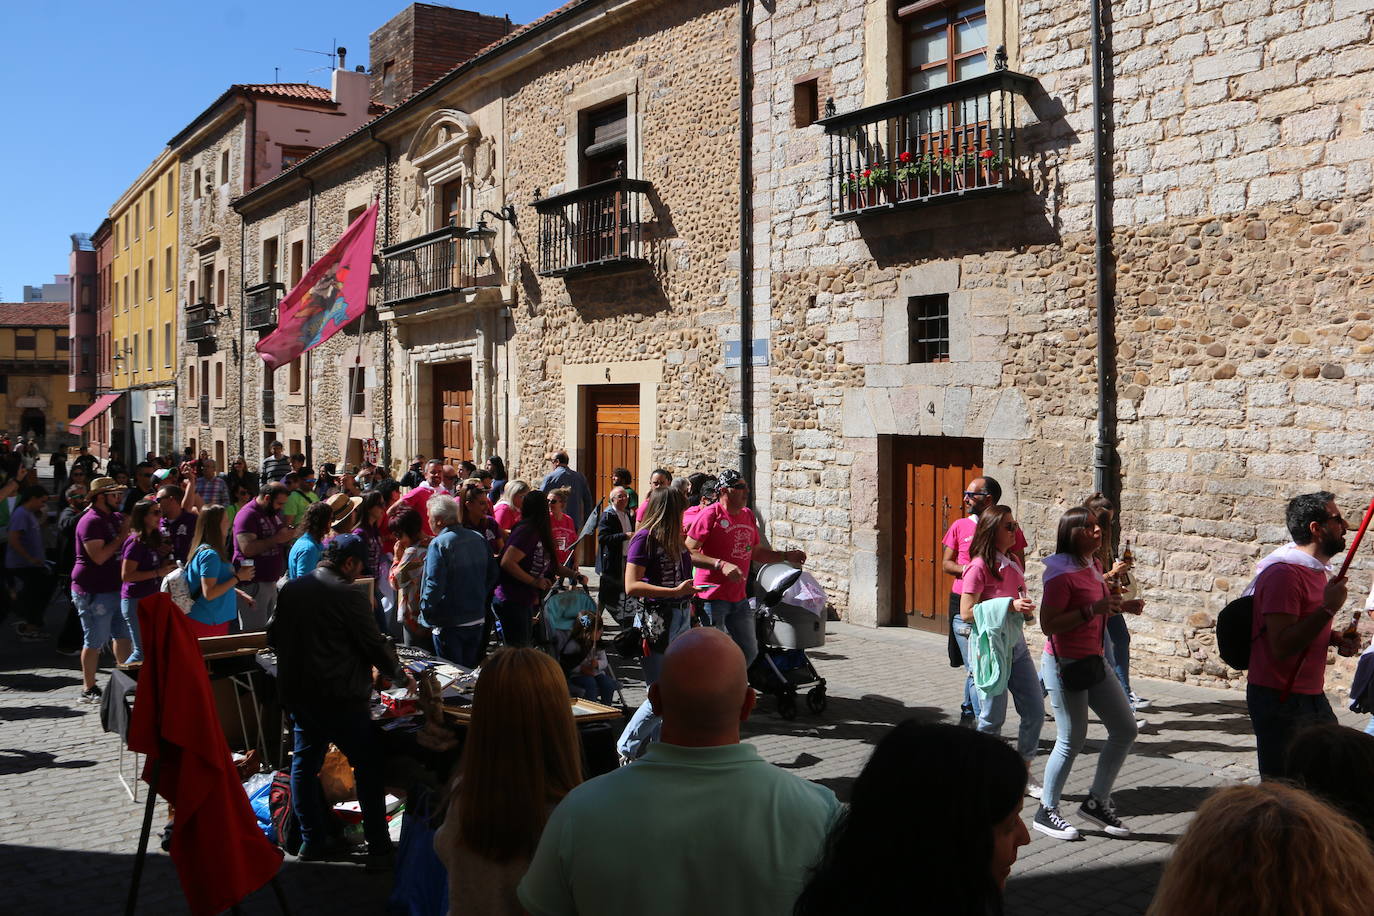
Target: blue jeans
x=736, y=618
x=1116, y=647
x=100, y=618
x=680, y=623
x=1024, y=687
x=350, y=727
x=599, y=686
x=460, y=645
x=1276, y=722
x=516, y=621
x=128, y=608
x=962, y=629
x=1108, y=700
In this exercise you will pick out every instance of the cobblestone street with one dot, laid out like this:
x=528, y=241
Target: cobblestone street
x=70, y=830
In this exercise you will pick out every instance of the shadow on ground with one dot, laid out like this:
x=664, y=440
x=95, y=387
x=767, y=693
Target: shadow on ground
x=310, y=889
x=1085, y=891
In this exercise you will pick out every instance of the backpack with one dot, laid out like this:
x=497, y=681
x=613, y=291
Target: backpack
x=177, y=585
x=1235, y=624
x=284, y=822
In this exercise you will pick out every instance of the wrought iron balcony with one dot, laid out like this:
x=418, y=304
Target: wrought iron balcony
x=261, y=305
x=201, y=321
x=204, y=410
x=929, y=146
x=434, y=264
x=598, y=227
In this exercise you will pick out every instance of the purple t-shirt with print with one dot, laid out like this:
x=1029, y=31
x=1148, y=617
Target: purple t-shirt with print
x=147, y=559
x=657, y=563
x=263, y=524
x=87, y=577
x=536, y=563
x=179, y=532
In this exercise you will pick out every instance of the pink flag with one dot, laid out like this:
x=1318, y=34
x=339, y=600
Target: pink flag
x=332, y=293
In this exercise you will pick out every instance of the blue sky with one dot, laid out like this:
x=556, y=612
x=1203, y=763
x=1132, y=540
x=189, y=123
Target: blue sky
x=96, y=89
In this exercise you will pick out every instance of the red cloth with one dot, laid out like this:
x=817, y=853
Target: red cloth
x=220, y=853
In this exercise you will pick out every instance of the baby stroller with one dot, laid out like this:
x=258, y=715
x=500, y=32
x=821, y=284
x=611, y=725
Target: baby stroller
x=561, y=607
x=785, y=631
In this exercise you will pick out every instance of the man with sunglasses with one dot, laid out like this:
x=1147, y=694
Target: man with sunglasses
x=100, y=534
x=142, y=486
x=981, y=493
x=723, y=541
x=1295, y=602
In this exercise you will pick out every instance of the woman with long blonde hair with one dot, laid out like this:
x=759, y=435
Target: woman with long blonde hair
x=522, y=756
x=1268, y=849
x=211, y=576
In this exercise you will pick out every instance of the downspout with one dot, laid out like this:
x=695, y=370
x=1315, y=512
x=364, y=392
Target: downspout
x=250, y=160
x=387, y=429
x=309, y=259
x=746, y=244
x=1105, y=478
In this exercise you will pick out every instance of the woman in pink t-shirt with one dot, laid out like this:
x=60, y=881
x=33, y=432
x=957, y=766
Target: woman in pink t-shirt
x=992, y=573
x=564, y=531
x=1074, y=609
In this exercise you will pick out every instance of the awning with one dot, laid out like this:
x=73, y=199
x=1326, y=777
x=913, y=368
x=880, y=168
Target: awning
x=101, y=405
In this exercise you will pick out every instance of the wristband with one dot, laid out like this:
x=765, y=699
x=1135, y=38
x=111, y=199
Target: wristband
x=718, y=565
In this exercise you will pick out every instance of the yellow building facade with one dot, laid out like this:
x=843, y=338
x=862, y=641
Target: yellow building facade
x=143, y=291
x=34, y=349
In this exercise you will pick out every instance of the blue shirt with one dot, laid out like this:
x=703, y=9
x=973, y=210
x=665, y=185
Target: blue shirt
x=460, y=573
x=25, y=523
x=305, y=556
x=207, y=564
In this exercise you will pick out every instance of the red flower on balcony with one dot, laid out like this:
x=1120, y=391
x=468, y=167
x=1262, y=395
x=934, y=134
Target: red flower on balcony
x=867, y=172
x=947, y=152
x=904, y=156
x=987, y=154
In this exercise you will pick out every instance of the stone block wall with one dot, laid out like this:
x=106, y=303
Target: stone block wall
x=1242, y=155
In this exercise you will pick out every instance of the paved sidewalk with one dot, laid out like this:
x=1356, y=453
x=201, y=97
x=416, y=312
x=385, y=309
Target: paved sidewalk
x=68, y=830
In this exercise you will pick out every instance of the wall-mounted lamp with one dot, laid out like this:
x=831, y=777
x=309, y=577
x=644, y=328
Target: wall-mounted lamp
x=483, y=233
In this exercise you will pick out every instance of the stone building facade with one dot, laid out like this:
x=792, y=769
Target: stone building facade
x=1241, y=145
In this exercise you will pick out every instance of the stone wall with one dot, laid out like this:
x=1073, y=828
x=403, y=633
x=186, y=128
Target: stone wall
x=675, y=65
x=1242, y=231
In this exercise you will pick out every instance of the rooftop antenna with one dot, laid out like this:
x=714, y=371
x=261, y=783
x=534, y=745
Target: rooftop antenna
x=329, y=54
x=276, y=74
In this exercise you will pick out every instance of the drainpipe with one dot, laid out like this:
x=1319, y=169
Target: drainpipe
x=746, y=244
x=309, y=259
x=1105, y=478
x=243, y=309
x=388, y=432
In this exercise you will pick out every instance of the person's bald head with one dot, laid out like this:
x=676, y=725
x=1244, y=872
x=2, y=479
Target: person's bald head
x=703, y=691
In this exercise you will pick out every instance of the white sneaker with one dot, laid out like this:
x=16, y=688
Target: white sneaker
x=1137, y=703
x=1034, y=789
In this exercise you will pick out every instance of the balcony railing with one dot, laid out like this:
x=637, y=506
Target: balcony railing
x=261, y=305
x=430, y=265
x=204, y=410
x=269, y=407
x=928, y=146
x=200, y=322
x=598, y=227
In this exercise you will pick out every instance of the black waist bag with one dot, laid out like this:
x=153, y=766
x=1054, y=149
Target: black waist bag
x=1234, y=626
x=1082, y=674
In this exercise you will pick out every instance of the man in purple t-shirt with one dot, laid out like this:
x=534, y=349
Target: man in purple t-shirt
x=260, y=536
x=95, y=581
x=178, y=522
x=981, y=493
x=723, y=541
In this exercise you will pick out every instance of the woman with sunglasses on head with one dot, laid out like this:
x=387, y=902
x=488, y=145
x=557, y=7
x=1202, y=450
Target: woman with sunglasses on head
x=144, y=559
x=1075, y=606
x=991, y=574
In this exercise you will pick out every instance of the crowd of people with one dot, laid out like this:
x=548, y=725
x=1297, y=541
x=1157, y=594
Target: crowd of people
x=452, y=555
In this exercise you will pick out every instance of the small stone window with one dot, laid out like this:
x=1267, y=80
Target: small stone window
x=928, y=328
x=806, y=101
x=357, y=391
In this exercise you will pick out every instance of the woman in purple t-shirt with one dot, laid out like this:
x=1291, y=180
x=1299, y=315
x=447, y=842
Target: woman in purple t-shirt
x=658, y=571
x=144, y=559
x=1075, y=604
x=528, y=568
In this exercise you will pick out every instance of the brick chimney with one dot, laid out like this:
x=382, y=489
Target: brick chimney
x=422, y=43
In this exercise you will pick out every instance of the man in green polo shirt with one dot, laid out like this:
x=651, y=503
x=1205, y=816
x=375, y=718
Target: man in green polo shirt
x=729, y=832
x=302, y=486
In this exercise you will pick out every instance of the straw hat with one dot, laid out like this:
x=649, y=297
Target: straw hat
x=342, y=510
x=105, y=485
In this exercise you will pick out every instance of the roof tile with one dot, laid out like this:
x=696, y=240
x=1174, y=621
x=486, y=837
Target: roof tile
x=33, y=314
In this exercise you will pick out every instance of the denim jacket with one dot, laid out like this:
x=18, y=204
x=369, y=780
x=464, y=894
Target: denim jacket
x=460, y=573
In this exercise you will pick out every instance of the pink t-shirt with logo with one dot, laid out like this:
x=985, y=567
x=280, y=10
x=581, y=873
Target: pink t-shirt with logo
x=1075, y=590
x=959, y=538
x=979, y=581
x=727, y=537
x=1286, y=588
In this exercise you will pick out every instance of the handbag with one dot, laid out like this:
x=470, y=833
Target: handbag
x=1082, y=674
x=629, y=643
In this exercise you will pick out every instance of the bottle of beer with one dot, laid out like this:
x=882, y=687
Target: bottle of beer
x=1126, y=555
x=1352, y=631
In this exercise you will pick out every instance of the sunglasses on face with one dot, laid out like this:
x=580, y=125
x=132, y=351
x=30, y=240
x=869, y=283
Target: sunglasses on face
x=972, y=494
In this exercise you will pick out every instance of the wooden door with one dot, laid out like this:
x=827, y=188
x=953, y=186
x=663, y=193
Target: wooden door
x=612, y=424
x=929, y=474
x=453, y=438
